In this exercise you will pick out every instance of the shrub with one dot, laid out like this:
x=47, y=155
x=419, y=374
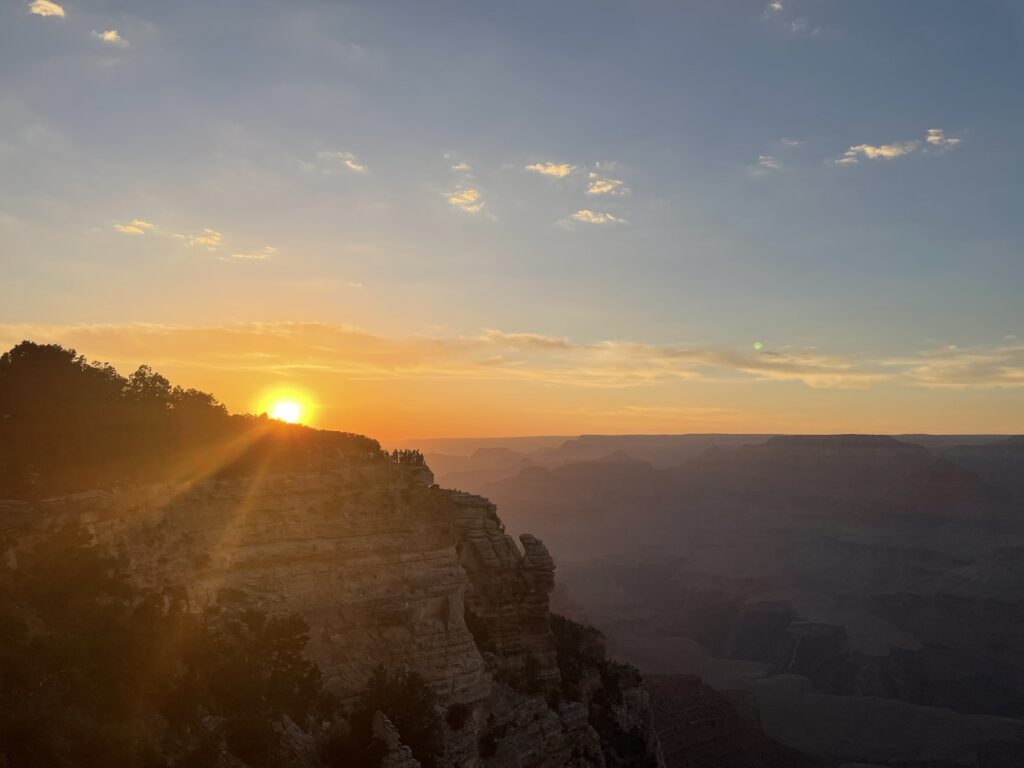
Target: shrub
x=579, y=648
x=404, y=697
x=457, y=715
x=94, y=672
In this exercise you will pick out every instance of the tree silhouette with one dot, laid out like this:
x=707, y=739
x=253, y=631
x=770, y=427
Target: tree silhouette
x=68, y=424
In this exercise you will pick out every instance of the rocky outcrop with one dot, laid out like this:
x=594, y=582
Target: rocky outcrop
x=396, y=755
x=385, y=567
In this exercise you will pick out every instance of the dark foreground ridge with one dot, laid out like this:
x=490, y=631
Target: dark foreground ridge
x=67, y=424
x=182, y=587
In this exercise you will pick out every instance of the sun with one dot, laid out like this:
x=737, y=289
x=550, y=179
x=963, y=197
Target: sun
x=286, y=410
x=288, y=404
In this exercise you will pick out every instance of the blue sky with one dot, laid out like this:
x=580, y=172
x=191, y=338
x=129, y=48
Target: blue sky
x=831, y=179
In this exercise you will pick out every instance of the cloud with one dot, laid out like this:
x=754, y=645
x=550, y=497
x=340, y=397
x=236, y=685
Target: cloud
x=333, y=159
x=133, y=228
x=208, y=238
x=802, y=26
x=258, y=255
x=766, y=164
x=112, y=37
x=853, y=155
x=592, y=217
x=46, y=8
x=937, y=138
x=558, y=170
x=790, y=143
x=284, y=348
x=985, y=367
x=525, y=340
x=604, y=185
x=462, y=167
x=467, y=199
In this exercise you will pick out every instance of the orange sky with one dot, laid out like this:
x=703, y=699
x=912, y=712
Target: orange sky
x=704, y=216
x=502, y=384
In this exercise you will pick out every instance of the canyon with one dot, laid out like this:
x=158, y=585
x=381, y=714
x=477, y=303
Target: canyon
x=863, y=594
x=387, y=569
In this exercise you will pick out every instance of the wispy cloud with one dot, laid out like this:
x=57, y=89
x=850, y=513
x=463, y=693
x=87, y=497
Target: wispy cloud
x=46, y=8
x=331, y=161
x=776, y=15
x=130, y=229
x=134, y=227
x=514, y=355
x=206, y=239
x=209, y=239
x=987, y=367
x=605, y=185
x=520, y=340
x=766, y=164
x=854, y=154
x=777, y=158
x=934, y=139
x=111, y=37
x=597, y=217
x=558, y=170
x=258, y=255
x=803, y=26
x=937, y=138
x=468, y=199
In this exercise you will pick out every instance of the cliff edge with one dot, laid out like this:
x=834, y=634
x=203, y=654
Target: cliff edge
x=388, y=570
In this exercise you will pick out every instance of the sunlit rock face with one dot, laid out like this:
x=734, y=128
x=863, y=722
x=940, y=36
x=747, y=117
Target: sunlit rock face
x=385, y=567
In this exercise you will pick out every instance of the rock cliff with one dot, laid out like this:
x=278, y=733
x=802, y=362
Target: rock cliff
x=387, y=569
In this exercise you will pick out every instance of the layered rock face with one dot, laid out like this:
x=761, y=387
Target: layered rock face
x=385, y=567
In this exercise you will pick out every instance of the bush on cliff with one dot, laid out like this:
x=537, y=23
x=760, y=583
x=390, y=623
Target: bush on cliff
x=581, y=648
x=94, y=672
x=457, y=715
x=404, y=697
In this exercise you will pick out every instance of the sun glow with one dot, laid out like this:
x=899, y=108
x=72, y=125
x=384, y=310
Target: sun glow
x=290, y=406
x=287, y=410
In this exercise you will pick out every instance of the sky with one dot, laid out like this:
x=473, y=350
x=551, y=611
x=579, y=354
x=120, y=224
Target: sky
x=429, y=219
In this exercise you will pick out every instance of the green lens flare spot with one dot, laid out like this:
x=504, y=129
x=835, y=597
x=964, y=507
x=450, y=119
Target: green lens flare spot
x=758, y=346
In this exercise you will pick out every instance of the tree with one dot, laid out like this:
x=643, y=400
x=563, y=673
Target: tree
x=94, y=672
x=404, y=697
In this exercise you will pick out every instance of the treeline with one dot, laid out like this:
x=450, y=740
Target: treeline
x=68, y=424
x=95, y=672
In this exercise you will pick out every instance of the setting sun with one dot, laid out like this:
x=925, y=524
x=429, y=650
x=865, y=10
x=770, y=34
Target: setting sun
x=286, y=410
x=289, y=405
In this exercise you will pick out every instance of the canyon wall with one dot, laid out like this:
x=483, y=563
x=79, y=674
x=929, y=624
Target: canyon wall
x=386, y=568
